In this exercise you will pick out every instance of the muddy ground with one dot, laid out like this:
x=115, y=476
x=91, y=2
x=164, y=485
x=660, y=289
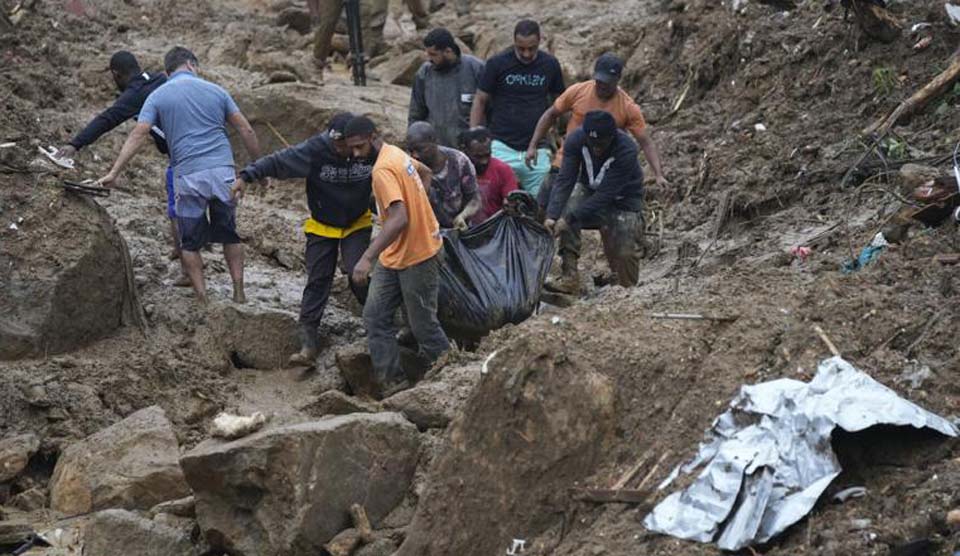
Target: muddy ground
x=757, y=149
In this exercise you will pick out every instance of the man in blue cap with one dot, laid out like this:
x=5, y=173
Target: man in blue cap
x=600, y=186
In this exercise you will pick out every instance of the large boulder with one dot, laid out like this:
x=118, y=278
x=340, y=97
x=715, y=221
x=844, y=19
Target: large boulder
x=15, y=452
x=287, y=491
x=64, y=274
x=122, y=533
x=434, y=403
x=132, y=465
x=400, y=69
x=537, y=424
x=255, y=337
x=296, y=111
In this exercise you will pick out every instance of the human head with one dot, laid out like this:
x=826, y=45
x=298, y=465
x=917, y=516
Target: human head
x=601, y=129
x=475, y=142
x=361, y=137
x=422, y=142
x=441, y=48
x=336, y=129
x=180, y=58
x=526, y=40
x=606, y=73
x=123, y=66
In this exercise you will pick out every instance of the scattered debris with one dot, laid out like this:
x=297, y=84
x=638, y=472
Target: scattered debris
x=691, y=316
x=232, y=427
x=867, y=255
x=848, y=493
x=760, y=127
x=915, y=375
x=802, y=253
x=761, y=475
x=860, y=524
x=947, y=258
x=919, y=100
x=517, y=547
x=7, y=145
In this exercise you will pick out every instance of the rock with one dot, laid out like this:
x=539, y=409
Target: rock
x=295, y=18
x=184, y=507
x=256, y=337
x=335, y=402
x=538, y=422
x=14, y=532
x=282, y=77
x=67, y=287
x=30, y=500
x=400, y=69
x=344, y=543
x=356, y=368
x=387, y=105
x=131, y=464
x=15, y=452
x=433, y=404
x=953, y=518
x=379, y=547
x=122, y=533
x=287, y=491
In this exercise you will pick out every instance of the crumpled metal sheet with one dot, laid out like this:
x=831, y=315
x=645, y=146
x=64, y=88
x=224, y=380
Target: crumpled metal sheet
x=768, y=459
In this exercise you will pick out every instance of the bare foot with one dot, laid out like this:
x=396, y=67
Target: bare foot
x=182, y=282
x=239, y=297
x=203, y=300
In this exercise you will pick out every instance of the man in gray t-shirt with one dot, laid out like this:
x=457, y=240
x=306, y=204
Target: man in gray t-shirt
x=193, y=114
x=444, y=87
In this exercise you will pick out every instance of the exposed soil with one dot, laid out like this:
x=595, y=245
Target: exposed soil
x=772, y=103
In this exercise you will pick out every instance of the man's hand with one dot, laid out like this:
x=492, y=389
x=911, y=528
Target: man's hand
x=531, y=158
x=460, y=223
x=66, y=151
x=559, y=227
x=662, y=181
x=549, y=223
x=361, y=272
x=236, y=192
x=108, y=180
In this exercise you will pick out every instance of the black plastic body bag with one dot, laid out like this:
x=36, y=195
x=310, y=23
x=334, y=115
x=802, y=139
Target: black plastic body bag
x=492, y=274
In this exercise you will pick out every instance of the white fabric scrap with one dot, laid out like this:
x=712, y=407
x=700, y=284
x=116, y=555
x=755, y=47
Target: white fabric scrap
x=231, y=427
x=768, y=459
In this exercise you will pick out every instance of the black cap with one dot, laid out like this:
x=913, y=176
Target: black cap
x=608, y=69
x=598, y=124
x=123, y=62
x=338, y=125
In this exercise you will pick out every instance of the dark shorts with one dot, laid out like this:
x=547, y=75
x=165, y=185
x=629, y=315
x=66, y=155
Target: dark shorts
x=205, y=211
x=171, y=199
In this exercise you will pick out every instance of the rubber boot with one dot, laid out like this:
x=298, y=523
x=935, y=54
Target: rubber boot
x=569, y=280
x=310, y=347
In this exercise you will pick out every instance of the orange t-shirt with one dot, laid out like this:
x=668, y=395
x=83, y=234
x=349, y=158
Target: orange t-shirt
x=582, y=98
x=395, y=178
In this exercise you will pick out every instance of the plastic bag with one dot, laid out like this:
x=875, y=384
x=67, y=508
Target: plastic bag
x=492, y=274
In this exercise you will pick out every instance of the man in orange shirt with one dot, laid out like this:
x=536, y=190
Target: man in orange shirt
x=600, y=93
x=402, y=263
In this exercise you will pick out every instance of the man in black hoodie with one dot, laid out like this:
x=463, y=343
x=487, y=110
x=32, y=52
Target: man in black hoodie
x=338, y=193
x=600, y=186
x=135, y=85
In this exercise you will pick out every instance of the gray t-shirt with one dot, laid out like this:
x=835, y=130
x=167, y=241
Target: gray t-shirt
x=444, y=97
x=193, y=115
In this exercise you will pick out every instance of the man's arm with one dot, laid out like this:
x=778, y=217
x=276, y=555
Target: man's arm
x=425, y=173
x=652, y=154
x=478, y=112
x=134, y=141
x=565, y=181
x=292, y=162
x=124, y=108
x=247, y=135
x=418, y=102
x=546, y=121
x=396, y=222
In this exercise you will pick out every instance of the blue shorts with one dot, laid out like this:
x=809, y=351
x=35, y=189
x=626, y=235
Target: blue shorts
x=198, y=193
x=171, y=202
x=529, y=179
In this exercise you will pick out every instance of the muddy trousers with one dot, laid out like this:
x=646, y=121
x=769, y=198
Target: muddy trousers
x=415, y=288
x=621, y=233
x=321, y=262
x=373, y=16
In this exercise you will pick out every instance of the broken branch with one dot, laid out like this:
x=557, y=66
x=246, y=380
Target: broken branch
x=823, y=336
x=919, y=100
x=691, y=316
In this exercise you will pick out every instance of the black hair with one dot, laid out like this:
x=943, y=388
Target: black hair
x=177, y=57
x=124, y=64
x=422, y=132
x=441, y=38
x=477, y=134
x=360, y=126
x=527, y=28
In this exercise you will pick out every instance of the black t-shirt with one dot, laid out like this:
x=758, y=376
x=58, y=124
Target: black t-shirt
x=519, y=94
